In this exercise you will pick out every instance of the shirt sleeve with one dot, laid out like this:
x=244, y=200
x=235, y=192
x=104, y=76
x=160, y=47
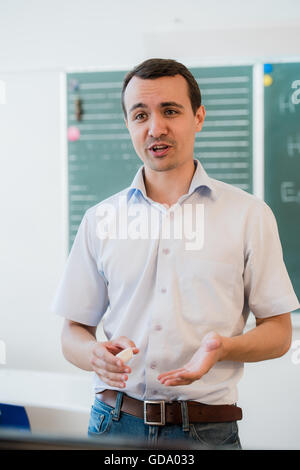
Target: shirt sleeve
x=268, y=288
x=82, y=292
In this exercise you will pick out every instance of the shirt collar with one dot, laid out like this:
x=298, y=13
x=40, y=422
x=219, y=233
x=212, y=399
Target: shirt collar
x=200, y=180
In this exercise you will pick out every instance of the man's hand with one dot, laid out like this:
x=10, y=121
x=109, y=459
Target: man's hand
x=107, y=366
x=202, y=361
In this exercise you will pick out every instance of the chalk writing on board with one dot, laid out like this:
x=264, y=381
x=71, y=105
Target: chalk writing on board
x=289, y=193
x=293, y=145
x=295, y=98
x=282, y=160
x=286, y=105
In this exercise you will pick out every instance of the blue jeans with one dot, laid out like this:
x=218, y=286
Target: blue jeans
x=108, y=422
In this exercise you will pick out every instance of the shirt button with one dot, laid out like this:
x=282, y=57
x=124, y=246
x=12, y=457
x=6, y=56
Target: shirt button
x=153, y=365
x=166, y=251
x=158, y=327
x=163, y=290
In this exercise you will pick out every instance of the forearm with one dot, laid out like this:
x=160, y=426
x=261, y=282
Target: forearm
x=77, y=343
x=268, y=340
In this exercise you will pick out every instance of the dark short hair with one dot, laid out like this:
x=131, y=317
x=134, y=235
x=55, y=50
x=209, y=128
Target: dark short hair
x=156, y=68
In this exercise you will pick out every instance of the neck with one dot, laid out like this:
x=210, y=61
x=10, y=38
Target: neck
x=166, y=187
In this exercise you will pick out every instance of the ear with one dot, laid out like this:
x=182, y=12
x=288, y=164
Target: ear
x=199, y=118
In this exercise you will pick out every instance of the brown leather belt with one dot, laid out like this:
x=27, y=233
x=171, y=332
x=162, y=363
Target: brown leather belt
x=161, y=412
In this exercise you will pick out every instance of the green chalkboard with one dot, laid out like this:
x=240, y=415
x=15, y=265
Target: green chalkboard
x=101, y=158
x=282, y=158
x=224, y=146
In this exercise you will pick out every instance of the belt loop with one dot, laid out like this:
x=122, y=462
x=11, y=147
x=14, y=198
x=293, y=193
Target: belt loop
x=116, y=412
x=185, y=416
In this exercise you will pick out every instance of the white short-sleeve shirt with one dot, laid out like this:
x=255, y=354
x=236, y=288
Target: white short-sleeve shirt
x=164, y=277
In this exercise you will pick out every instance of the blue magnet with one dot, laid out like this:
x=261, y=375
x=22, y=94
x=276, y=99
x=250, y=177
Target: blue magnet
x=268, y=68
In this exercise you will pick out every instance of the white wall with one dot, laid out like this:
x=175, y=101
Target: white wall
x=39, y=39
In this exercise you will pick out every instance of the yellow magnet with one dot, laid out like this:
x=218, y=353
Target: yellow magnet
x=268, y=80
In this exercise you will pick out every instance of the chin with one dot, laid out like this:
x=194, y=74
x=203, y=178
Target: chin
x=162, y=166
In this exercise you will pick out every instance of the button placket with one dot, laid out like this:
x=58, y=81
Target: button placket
x=163, y=304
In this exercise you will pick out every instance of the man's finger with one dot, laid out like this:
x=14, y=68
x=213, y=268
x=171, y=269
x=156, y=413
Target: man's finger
x=110, y=359
x=183, y=375
x=112, y=376
x=170, y=372
x=123, y=342
x=171, y=377
x=101, y=364
x=176, y=382
x=114, y=349
x=112, y=383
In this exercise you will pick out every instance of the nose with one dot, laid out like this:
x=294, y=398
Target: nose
x=157, y=126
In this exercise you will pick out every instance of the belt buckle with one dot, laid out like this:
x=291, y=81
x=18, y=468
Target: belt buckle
x=162, y=421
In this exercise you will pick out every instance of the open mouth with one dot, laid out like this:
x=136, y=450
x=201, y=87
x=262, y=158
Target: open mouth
x=159, y=150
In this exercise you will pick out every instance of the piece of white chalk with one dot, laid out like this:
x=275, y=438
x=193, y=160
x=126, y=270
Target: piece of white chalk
x=125, y=355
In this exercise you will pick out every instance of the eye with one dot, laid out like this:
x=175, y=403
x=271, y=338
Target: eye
x=139, y=116
x=170, y=112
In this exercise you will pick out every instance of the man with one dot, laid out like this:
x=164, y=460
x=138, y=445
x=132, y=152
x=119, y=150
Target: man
x=181, y=307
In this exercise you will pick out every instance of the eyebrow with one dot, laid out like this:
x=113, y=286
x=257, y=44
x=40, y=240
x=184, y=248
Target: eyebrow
x=172, y=103
x=162, y=105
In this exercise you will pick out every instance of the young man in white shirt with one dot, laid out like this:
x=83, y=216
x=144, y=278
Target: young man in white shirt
x=182, y=307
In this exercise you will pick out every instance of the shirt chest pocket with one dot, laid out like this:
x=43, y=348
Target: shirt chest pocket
x=206, y=289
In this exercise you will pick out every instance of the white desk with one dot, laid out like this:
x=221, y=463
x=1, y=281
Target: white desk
x=55, y=403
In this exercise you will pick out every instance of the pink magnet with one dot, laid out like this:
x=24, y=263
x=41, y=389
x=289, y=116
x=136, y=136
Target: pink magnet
x=73, y=133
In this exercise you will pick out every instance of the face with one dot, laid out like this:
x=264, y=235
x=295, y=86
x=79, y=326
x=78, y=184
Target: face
x=161, y=121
